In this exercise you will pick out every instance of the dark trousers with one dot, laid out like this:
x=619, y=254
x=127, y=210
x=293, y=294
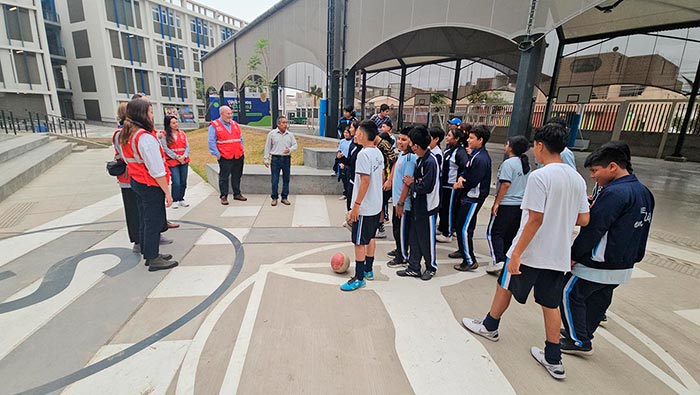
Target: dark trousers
x=152, y=210
x=178, y=175
x=502, y=230
x=131, y=211
x=348, y=201
x=422, y=243
x=233, y=169
x=283, y=163
x=583, y=307
x=446, y=226
x=465, y=224
x=343, y=173
x=401, y=227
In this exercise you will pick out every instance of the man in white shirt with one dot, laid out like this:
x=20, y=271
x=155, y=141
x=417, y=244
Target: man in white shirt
x=366, y=204
x=279, y=147
x=554, y=203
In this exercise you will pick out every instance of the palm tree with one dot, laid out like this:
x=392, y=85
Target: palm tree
x=316, y=92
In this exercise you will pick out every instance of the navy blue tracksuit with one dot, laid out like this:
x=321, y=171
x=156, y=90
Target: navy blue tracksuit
x=425, y=192
x=477, y=186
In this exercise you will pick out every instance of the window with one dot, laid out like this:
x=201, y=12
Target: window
x=92, y=110
x=166, y=22
x=81, y=44
x=27, y=67
x=175, y=56
x=160, y=53
x=586, y=65
x=201, y=33
x=133, y=48
x=195, y=58
x=87, y=79
x=19, y=26
x=76, y=13
x=226, y=33
x=181, y=84
x=631, y=90
x=173, y=86
x=125, y=80
x=124, y=12
x=114, y=40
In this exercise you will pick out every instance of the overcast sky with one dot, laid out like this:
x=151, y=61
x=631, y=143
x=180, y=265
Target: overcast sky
x=244, y=9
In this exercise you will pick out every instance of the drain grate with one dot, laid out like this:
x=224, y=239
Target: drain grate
x=14, y=214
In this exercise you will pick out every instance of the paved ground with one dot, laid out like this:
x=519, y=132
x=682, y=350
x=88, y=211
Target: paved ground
x=254, y=309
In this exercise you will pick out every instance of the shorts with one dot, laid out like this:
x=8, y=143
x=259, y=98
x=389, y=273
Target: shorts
x=548, y=285
x=364, y=229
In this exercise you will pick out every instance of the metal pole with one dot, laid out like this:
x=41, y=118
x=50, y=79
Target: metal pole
x=455, y=87
x=555, y=76
x=12, y=121
x=4, y=125
x=402, y=95
x=363, y=94
x=31, y=121
x=38, y=122
x=677, y=153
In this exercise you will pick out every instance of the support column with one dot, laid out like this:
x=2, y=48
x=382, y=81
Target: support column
x=274, y=102
x=349, y=88
x=528, y=71
x=455, y=87
x=334, y=67
x=363, y=95
x=242, y=118
x=555, y=76
x=677, y=155
x=402, y=97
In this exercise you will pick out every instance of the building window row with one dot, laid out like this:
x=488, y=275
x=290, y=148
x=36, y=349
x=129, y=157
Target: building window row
x=124, y=12
x=19, y=25
x=171, y=55
x=201, y=32
x=166, y=22
x=128, y=46
x=197, y=56
x=173, y=86
x=131, y=81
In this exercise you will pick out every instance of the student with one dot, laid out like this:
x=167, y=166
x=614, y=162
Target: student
x=454, y=163
x=177, y=149
x=606, y=250
x=348, y=117
x=381, y=116
x=383, y=142
x=566, y=156
x=353, y=151
x=385, y=132
x=401, y=219
x=553, y=204
x=474, y=185
x=341, y=159
x=506, y=212
x=367, y=205
x=425, y=189
x=436, y=137
x=453, y=123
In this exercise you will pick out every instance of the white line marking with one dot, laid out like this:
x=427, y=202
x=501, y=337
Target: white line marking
x=692, y=315
x=242, y=211
x=188, y=281
x=310, y=211
x=639, y=273
x=672, y=251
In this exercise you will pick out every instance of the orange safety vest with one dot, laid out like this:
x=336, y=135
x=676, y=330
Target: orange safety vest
x=124, y=178
x=228, y=144
x=134, y=162
x=178, y=146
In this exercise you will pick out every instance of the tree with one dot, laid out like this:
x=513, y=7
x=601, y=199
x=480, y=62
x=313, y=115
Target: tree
x=259, y=64
x=479, y=96
x=437, y=100
x=316, y=93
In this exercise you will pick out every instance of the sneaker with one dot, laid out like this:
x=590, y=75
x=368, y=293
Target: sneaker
x=477, y=327
x=160, y=264
x=342, y=198
x=604, y=321
x=175, y=206
x=392, y=253
x=164, y=240
x=273, y=203
x=407, y=273
x=440, y=238
x=555, y=370
x=456, y=255
x=396, y=262
x=466, y=267
x=569, y=346
x=427, y=275
x=494, y=268
x=224, y=201
x=167, y=257
x=136, y=248
x=369, y=275
x=563, y=333
x=381, y=232
x=183, y=203
x=347, y=225
x=352, y=284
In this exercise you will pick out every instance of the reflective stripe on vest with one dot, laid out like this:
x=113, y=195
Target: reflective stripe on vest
x=137, y=158
x=228, y=141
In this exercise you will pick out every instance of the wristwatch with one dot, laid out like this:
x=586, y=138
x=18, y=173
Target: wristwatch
x=400, y=204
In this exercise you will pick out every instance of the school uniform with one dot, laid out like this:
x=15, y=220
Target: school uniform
x=477, y=185
x=454, y=162
x=605, y=252
x=353, y=150
x=425, y=191
x=401, y=227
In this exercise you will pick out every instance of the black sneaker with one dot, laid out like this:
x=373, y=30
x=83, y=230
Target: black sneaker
x=456, y=255
x=465, y=267
x=407, y=273
x=392, y=253
x=396, y=262
x=427, y=275
x=569, y=346
x=167, y=257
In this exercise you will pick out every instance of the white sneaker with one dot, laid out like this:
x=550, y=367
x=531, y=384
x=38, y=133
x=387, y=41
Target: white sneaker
x=494, y=267
x=555, y=370
x=440, y=238
x=347, y=225
x=184, y=204
x=477, y=327
x=342, y=198
x=380, y=235
x=174, y=206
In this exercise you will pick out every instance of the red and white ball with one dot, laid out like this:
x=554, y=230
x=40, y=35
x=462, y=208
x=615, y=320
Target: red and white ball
x=340, y=263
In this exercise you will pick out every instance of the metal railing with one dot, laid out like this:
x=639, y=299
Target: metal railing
x=40, y=123
x=51, y=16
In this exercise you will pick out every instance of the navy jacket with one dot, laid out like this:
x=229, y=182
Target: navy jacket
x=426, y=187
x=616, y=236
x=461, y=159
x=477, y=174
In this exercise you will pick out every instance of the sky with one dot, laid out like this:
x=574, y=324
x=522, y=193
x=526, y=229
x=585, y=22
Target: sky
x=244, y=9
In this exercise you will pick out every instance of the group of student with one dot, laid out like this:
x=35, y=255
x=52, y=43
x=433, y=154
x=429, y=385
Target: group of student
x=155, y=177
x=533, y=219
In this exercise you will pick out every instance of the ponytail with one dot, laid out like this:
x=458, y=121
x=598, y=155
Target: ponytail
x=519, y=145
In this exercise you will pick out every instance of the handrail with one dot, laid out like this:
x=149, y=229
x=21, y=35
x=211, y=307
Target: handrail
x=40, y=123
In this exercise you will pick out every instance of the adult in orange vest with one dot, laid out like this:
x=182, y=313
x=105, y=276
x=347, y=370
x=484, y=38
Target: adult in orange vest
x=177, y=150
x=131, y=209
x=149, y=180
x=226, y=143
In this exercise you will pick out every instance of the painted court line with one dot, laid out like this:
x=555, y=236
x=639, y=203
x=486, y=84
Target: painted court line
x=187, y=281
x=692, y=315
x=310, y=211
x=244, y=211
x=212, y=237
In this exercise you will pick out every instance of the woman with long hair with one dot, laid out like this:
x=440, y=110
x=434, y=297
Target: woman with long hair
x=149, y=180
x=506, y=212
x=177, y=149
x=131, y=209
x=453, y=164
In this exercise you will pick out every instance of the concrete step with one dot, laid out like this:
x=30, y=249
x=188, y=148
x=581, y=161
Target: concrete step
x=304, y=180
x=19, y=171
x=13, y=147
x=320, y=158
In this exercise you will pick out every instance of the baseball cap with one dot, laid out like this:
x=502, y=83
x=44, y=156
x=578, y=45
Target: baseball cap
x=455, y=121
